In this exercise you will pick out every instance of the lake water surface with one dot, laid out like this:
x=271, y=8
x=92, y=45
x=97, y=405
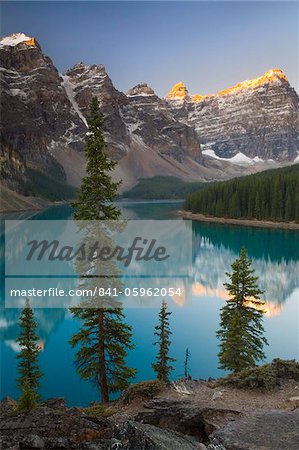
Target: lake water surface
x=195, y=315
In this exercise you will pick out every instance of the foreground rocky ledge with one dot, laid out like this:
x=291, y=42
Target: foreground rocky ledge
x=185, y=415
x=54, y=426
x=176, y=419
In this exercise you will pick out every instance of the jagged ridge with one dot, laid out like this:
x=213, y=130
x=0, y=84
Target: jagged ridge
x=180, y=92
x=46, y=120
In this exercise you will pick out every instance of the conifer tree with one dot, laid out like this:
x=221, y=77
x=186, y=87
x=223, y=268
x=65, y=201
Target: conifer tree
x=241, y=330
x=270, y=195
x=161, y=366
x=103, y=338
x=186, y=364
x=97, y=188
x=29, y=373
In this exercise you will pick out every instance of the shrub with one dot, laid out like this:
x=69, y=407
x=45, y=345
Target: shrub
x=142, y=390
x=100, y=410
x=268, y=376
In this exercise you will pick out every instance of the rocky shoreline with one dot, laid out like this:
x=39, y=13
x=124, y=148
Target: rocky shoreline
x=188, y=215
x=185, y=415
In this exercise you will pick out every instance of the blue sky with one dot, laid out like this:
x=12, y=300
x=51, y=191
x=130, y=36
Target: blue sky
x=208, y=45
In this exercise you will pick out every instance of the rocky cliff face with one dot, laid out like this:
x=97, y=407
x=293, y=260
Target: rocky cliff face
x=38, y=112
x=149, y=118
x=12, y=167
x=45, y=122
x=82, y=82
x=139, y=117
x=258, y=118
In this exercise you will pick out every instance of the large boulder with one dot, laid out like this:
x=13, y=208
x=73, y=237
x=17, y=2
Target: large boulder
x=270, y=430
x=138, y=436
x=185, y=417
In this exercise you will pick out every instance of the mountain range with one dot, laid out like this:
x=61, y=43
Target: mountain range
x=243, y=129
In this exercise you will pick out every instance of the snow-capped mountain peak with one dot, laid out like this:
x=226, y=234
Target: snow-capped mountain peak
x=17, y=38
x=199, y=137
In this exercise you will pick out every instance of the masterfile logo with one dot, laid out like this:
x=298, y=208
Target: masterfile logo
x=65, y=261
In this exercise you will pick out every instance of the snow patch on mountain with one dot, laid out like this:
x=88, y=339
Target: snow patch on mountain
x=14, y=39
x=141, y=94
x=69, y=88
x=239, y=159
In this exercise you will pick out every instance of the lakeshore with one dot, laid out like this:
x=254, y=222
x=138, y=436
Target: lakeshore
x=181, y=415
x=188, y=215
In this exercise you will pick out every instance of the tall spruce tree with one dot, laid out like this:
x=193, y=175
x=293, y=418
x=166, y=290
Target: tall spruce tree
x=28, y=369
x=162, y=366
x=103, y=338
x=97, y=189
x=241, y=330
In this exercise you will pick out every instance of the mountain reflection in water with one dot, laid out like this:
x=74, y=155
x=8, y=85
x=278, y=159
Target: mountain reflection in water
x=195, y=319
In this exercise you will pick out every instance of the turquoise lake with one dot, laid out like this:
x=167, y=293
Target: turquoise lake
x=195, y=315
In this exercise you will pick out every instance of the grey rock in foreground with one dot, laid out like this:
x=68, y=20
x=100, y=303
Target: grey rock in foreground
x=137, y=436
x=171, y=425
x=270, y=430
x=57, y=427
x=185, y=417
